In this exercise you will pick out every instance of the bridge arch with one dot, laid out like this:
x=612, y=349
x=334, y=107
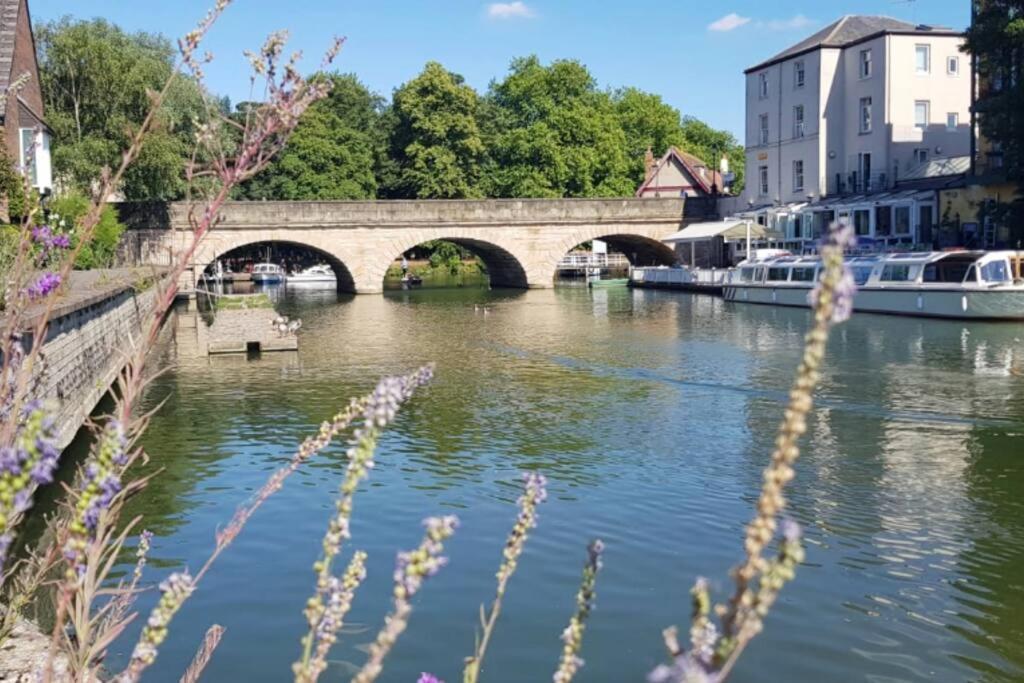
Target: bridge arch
x=505, y=266
x=639, y=249
x=216, y=249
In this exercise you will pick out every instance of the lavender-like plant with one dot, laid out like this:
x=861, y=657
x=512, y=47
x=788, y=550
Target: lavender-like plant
x=534, y=493
x=411, y=570
x=378, y=411
x=572, y=637
x=713, y=652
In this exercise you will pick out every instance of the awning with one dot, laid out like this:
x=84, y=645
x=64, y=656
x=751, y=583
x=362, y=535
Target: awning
x=728, y=229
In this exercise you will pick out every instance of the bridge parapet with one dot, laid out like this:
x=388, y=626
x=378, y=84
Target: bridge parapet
x=408, y=213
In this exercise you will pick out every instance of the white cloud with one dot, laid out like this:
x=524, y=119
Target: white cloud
x=729, y=22
x=510, y=10
x=793, y=23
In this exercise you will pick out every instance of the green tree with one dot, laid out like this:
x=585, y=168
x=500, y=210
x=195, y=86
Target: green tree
x=96, y=81
x=435, y=148
x=333, y=152
x=996, y=39
x=552, y=133
x=710, y=143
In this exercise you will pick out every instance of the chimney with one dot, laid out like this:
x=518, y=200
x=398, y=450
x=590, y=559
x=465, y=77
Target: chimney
x=648, y=164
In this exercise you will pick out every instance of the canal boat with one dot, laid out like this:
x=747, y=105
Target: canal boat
x=318, y=274
x=973, y=285
x=267, y=273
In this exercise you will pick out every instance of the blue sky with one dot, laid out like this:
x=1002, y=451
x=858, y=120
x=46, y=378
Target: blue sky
x=693, y=54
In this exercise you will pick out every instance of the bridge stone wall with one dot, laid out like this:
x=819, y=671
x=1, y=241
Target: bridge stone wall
x=520, y=240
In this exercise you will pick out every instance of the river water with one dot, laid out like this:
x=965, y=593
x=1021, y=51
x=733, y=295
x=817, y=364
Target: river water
x=652, y=414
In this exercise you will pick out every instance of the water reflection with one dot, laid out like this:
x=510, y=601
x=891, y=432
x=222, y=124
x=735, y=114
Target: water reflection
x=653, y=414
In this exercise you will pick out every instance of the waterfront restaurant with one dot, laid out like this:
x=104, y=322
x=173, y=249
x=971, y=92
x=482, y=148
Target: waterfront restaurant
x=718, y=244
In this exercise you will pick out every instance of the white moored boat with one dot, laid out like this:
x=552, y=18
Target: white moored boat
x=314, y=274
x=952, y=284
x=267, y=273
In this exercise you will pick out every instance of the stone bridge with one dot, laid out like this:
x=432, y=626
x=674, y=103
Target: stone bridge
x=519, y=240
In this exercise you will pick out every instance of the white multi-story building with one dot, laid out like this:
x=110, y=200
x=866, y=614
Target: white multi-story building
x=850, y=110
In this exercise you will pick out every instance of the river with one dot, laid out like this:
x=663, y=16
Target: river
x=652, y=414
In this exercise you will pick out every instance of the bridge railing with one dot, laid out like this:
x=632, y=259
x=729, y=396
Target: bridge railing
x=664, y=275
x=581, y=260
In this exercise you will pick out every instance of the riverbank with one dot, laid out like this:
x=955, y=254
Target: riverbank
x=92, y=324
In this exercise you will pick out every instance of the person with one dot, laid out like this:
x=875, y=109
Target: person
x=405, y=265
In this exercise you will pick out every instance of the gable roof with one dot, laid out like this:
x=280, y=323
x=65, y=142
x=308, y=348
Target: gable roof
x=10, y=14
x=850, y=30
x=692, y=165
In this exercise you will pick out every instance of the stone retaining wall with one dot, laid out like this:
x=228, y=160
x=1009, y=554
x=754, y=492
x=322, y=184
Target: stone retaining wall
x=90, y=335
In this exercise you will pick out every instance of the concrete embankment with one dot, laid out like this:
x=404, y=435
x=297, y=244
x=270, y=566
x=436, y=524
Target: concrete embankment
x=93, y=328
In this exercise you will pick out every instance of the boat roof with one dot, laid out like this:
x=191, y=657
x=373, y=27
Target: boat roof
x=908, y=258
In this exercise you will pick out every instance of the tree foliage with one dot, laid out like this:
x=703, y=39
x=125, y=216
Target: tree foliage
x=552, y=133
x=996, y=39
x=96, y=80
x=333, y=152
x=435, y=148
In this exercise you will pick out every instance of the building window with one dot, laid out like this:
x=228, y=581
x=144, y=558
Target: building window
x=921, y=156
x=35, y=158
x=865, y=63
x=952, y=121
x=865, y=115
x=762, y=176
x=799, y=74
x=798, y=121
x=28, y=153
x=902, y=220
x=862, y=221
x=763, y=86
x=798, y=175
x=764, y=129
x=923, y=59
x=953, y=66
x=922, y=113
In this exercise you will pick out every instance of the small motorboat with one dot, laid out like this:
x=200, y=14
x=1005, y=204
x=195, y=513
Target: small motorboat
x=267, y=273
x=320, y=273
x=410, y=281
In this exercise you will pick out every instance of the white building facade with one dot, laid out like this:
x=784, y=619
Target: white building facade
x=849, y=111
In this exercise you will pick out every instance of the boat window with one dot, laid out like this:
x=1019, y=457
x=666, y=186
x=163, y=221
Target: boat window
x=972, y=274
x=896, y=273
x=746, y=274
x=759, y=275
x=946, y=271
x=861, y=274
x=803, y=274
x=778, y=274
x=995, y=271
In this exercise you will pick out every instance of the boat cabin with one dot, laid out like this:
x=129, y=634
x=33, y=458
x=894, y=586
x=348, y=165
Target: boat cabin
x=916, y=269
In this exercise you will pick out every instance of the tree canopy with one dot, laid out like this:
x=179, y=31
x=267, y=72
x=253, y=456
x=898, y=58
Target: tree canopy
x=96, y=80
x=332, y=153
x=542, y=130
x=996, y=39
x=435, y=148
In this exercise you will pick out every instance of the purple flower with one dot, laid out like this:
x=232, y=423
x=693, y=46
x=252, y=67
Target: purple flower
x=685, y=669
x=428, y=678
x=791, y=531
x=840, y=237
x=46, y=284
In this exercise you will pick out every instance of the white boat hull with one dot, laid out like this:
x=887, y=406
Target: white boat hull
x=958, y=303
x=312, y=279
